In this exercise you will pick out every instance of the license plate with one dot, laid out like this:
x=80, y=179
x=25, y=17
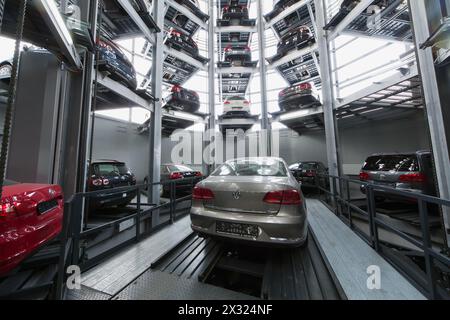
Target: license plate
x=241, y=229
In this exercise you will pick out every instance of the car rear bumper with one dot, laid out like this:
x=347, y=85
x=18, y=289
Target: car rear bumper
x=111, y=199
x=118, y=74
x=278, y=230
x=297, y=100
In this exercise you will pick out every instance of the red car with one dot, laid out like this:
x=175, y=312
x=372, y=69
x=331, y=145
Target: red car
x=30, y=215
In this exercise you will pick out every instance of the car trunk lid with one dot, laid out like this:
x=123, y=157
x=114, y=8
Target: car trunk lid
x=244, y=194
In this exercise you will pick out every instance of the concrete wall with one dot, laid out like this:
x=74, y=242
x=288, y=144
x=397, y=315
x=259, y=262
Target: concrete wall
x=119, y=140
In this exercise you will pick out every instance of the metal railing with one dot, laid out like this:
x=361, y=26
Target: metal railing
x=433, y=281
x=76, y=239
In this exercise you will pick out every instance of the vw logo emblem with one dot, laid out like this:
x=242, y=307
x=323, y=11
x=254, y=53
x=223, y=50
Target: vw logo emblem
x=236, y=195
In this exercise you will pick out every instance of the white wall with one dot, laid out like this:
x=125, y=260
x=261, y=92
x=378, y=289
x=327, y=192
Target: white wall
x=118, y=140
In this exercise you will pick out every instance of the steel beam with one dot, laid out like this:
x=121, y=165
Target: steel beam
x=265, y=124
x=156, y=118
x=128, y=7
x=434, y=108
x=211, y=125
x=333, y=156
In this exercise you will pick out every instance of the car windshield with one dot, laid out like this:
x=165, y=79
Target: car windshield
x=252, y=167
x=402, y=163
x=179, y=168
x=110, y=169
x=236, y=98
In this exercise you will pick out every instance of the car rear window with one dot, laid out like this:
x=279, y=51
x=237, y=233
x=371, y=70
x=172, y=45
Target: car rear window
x=256, y=167
x=407, y=163
x=236, y=98
x=110, y=169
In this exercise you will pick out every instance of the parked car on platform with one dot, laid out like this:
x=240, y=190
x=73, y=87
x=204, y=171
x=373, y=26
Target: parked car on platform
x=299, y=96
x=238, y=53
x=236, y=106
x=310, y=173
x=115, y=62
x=297, y=38
x=183, y=175
x=410, y=172
x=279, y=7
x=107, y=176
x=256, y=200
x=30, y=216
x=182, y=42
x=194, y=6
x=183, y=99
x=235, y=14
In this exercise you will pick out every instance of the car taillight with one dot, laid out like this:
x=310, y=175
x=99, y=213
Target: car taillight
x=226, y=102
x=247, y=48
x=364, y=176
x=96, y=182
x=198, y=174
x=176, y=88
x=226, y=8
x=105, y=182
x=7, y=208
x=283, y=197
x=305, y=86
x=412, y=177
x=246, y=102
x=200, y=193
x=175, y=175
x=175, y=33
x=228, y=48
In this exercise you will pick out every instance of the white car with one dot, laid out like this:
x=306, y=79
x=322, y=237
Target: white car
x=236, y=106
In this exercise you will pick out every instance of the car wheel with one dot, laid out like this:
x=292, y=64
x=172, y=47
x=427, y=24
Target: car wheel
x=5, y=69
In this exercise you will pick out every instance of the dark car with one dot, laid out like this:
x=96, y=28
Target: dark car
x=114, y=61
x=182, y=42
x=184, y=176
x=411, y=172
x=183, y=99
x=238, y=53
x=31, y=215
x=194, y=6
x=298, y=96
x=235, y=14
x=279, y=7
x=310, y=173
x=297, y=38
x=108, y=175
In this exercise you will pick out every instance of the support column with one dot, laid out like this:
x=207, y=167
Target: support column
x=334, y=164
x=211, y=126
x=434, y=105
x=155, y=121
x=265, y=124
x=75, y=148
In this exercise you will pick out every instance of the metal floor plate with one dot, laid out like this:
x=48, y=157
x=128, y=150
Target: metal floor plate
x=157, y=285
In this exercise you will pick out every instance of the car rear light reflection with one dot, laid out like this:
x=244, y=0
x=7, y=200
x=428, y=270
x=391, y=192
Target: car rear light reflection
x=198, y=174
x=283, y=197
x=200, y=193
x=364, y=176
x=176, y=89
x=412, y=177
x=176, y=175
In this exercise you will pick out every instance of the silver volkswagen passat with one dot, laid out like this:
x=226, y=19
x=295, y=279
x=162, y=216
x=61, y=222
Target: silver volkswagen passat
x=253, y=199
